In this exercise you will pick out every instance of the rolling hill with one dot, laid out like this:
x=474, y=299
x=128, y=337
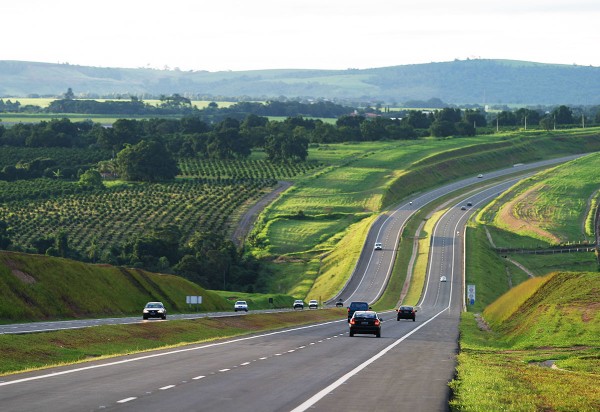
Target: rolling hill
x=477, y=81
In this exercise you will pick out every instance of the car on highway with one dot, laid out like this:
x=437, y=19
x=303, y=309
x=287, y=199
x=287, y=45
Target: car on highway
x=241, y=305
x=378, y=246
x=339, y=303
x=365, y=322
x=354, y=306
x=469, y=204
x=298, y=304
x=463, y=208
x=154, y=310
x=442, y=278
x=479, y=176
x=406, y=312
x=313, y=304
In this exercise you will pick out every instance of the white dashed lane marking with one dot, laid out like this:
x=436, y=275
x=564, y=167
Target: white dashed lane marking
x=125, y=400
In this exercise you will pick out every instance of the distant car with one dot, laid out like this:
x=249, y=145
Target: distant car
x=154, y=310
x=298, y=304
x=365, y=322
x=354, y=306
x=339, y=303
x=442, y=278
x=241, y=305
x=469, y=204
x=406, y=312
x=479, y=176
x=378, y=246
x=463, y=208
x=313, y=304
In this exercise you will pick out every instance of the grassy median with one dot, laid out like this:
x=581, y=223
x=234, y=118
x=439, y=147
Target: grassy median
x=48, y=349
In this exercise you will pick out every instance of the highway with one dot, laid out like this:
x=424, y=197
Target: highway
x=317, y=367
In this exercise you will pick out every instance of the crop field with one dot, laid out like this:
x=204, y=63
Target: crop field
x=45, y=101
x=551, y=207
x=64, y=157
x=207, y=196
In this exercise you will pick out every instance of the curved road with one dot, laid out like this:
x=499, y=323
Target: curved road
x=316, y=367
x=372, y=271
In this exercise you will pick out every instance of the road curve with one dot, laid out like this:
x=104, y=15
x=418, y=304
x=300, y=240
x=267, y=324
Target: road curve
x=316, y=367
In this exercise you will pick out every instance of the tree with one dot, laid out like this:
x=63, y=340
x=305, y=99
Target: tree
x=91, y=179
x=284, y=147
x=547, y=123
x=442, y=128
x=475, y=117
x=147, y=161
x=5, y=240
x=69, y=95
x=418, y=119
x=563, y=115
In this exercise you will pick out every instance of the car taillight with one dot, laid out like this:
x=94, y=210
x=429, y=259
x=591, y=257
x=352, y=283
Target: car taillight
x=377, y=322
x=352, y=321
x=348, y=310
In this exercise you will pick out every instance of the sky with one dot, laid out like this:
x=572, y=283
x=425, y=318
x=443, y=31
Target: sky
x=220, y=35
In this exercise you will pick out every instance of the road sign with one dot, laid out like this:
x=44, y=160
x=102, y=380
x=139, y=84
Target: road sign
x=193, y=300
x=471, y=294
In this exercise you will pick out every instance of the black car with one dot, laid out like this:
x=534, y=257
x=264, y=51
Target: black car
x=365, y=322
x=354, y=306
x=406, y=312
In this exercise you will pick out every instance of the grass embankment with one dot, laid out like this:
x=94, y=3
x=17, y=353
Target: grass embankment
x=541, y=353
x=42, y=350
x=257, y=300
x=550, y=208
x=333, y=202
x=365, y=177
x=36, y=287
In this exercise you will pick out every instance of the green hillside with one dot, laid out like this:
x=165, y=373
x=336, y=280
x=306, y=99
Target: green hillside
x=539, y=350
x=477, y=81
x=36, y=287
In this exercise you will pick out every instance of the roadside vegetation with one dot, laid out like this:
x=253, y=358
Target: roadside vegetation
x=534, y=328
x=539, y=349
x=45, y=350
x=37, y=287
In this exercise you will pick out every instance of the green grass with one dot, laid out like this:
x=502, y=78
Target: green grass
x=35, y=287
x=553, y=319
x=43, y=350
x=553, y=202
x=257, y=300
x=541, y=265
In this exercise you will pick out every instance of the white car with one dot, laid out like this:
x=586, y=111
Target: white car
x=154, y=310
x=298, y=304
x=241, y=305
x=442, y=278
x=479, y=176
x=313, y=304
x=378, y=246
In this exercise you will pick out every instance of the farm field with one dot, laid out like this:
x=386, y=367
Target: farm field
x=207, y=197
x=45, y=101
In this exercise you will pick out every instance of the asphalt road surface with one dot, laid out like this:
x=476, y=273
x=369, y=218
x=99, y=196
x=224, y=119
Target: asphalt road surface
x=317, y=367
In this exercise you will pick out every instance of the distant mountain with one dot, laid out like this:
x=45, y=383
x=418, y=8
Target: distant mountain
x=459, y=82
